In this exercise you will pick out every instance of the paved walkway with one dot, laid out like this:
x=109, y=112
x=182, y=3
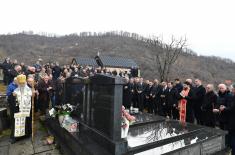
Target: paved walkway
x=26, y=147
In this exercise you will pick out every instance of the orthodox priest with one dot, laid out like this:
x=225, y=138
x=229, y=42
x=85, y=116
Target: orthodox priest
x=22, y=114
x=186, y=104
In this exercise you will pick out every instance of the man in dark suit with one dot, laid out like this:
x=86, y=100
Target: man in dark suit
x=56, y=71
x=126, y=94
x=229, y=110
x=178, y=85
x=155, y=92
x=208, y=105
x=45, y=87
x=224, y=99
x=6, y=66
x=140, y=94
x=200, y=92
x=172, y=101
x=135, y=94
x=14, y=72
x=131, y=91
x=162, y=105
x=149, y=97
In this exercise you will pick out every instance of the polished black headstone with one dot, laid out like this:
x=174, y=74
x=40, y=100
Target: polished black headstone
x=105, y=105
x=101, y=119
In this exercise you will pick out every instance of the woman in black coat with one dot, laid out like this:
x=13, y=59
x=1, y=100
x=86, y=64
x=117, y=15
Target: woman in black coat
x=208, y=105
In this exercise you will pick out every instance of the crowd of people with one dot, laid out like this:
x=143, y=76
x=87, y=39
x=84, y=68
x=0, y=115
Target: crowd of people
x=49, y=79
x=162, y=98
x=204, y=105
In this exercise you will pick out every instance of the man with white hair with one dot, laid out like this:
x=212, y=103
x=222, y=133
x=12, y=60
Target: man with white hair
x=190, y=81
x=19, y=98
x=23, y=96
x=208, y=105
x=224, y=99
x=230, y=111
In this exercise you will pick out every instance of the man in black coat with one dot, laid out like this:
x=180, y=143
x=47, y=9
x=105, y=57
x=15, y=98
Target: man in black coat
x=59, y=89
x=135, y=94
x=200, y=92
x=126, y=95
x=24, y=68
x=172, y=101
x=140, y=94
x=224, y=99
x=149, y=97
x=56, y=71
x=45, y=87
x=14, y=72
x=230, y=111
x=178, y=85
x=155, y=93
x=6, y=66
x=208, y=104
x=131, y=91
x=162, y=105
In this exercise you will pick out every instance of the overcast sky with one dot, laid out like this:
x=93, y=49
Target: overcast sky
x=209, y=25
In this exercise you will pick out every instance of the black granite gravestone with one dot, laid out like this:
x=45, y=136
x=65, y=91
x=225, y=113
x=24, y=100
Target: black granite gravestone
x=106, y=102
x=103, y=112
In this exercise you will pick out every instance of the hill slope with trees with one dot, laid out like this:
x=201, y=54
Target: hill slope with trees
x=28, y=47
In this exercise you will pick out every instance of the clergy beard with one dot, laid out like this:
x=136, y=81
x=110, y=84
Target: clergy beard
x=21, y=87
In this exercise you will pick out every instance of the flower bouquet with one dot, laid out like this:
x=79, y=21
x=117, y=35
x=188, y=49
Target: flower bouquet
x=127, y=120
x=63, y=112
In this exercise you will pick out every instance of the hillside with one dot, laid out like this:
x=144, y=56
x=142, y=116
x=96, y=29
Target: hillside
x=29, y=47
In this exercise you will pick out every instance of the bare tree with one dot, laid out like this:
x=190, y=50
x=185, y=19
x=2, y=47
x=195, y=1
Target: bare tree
x=166, y=54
